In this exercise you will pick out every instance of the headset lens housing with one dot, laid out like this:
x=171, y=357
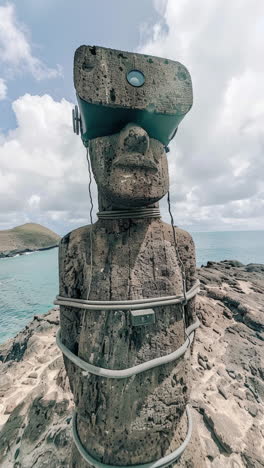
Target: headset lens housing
x=135, y=78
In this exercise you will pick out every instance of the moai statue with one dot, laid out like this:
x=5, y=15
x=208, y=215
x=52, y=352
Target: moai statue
x=127, y=282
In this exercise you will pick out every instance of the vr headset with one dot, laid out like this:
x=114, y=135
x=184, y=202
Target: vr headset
x=114, y=88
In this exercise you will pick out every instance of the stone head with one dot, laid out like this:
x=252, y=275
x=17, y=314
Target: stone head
x=131, y=106
x=129, y=167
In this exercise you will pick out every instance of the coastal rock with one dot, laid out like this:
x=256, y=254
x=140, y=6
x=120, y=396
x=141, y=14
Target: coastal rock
x=5, y=383
x=36, y=406
x=229, y=397
x=228, y=379
x=225, y=430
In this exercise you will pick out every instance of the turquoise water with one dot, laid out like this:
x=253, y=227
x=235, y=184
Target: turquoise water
x=29, y=283
x=245, y=246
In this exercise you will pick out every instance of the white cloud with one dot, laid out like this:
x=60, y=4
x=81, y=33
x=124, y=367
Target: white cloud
x=216, y=160
x=3, y=89
x=15, y=48
x=217, y=155
x=33, y=201
x=43, y=173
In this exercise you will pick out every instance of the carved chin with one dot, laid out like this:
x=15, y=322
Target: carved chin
x=139, y=188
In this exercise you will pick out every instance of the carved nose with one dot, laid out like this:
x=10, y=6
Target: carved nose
x=135, y=140
x=134, y=149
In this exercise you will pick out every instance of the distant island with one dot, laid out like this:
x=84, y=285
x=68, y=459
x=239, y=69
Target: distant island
x=28, y=237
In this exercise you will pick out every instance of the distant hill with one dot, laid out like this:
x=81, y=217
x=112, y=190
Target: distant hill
x=26, y=238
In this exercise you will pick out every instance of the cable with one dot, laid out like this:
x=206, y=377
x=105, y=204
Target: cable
x=129, y=372
x=182, y=267
x=139, y=212
x=184, y=324
x=161, y=463
x=134, y=304
x=91, y=221
x=143, y=212
x=177, y=248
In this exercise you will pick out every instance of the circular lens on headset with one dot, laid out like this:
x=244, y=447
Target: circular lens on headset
x=135, y=78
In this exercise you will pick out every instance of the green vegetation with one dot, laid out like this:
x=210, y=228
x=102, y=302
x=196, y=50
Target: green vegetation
x=29, y=236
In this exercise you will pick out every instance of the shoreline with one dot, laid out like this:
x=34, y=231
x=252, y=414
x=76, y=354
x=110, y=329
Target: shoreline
x=18, y=252
x=227, y=378
x=227, y=264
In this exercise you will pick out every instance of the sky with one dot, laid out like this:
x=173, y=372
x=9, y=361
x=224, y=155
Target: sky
x=216, y=161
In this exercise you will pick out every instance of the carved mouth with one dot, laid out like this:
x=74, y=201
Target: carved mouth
x=135, y=161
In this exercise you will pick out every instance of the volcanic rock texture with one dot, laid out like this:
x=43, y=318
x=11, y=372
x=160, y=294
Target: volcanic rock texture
x=35, y=400
x=228, y=365
x=228, y=379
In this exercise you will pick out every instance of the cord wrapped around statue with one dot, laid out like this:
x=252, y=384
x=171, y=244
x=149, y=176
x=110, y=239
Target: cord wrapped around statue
x=127, y=281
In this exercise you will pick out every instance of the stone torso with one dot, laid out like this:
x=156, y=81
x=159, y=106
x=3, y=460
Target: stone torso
x=132, y=259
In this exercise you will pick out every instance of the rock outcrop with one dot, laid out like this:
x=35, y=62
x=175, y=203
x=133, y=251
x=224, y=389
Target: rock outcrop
x=35, y=400
x=26, y=238
x=228, y=379
x=228, y=365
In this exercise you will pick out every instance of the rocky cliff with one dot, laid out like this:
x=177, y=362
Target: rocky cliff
x=228, y=379
x=26, y=238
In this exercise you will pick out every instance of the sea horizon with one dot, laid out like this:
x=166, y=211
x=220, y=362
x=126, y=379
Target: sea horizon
x=29, y=282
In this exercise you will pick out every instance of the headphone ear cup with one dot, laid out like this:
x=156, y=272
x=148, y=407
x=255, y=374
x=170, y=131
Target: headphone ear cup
x=76, y=121
x=73, y=121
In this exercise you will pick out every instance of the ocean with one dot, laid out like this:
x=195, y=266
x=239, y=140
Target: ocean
x=29, y=283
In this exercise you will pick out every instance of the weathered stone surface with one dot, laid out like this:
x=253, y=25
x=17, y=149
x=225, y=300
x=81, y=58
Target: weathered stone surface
x=100, y=78
x=5, y=383
x=156, y=398
x=130, y=170
x=34, y=411
x=225, y=430
x=15, y=348
x=211, y=449
x=235, y=388
x=52, y=448
x=140, y=419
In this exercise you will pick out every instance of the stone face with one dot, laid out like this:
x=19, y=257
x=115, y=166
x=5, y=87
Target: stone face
x=130, y=168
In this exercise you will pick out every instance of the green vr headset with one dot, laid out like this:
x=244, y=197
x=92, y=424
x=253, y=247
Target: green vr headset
x=114, y=88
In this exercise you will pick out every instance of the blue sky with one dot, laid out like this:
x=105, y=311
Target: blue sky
x=216, y=161
x=56, y=28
